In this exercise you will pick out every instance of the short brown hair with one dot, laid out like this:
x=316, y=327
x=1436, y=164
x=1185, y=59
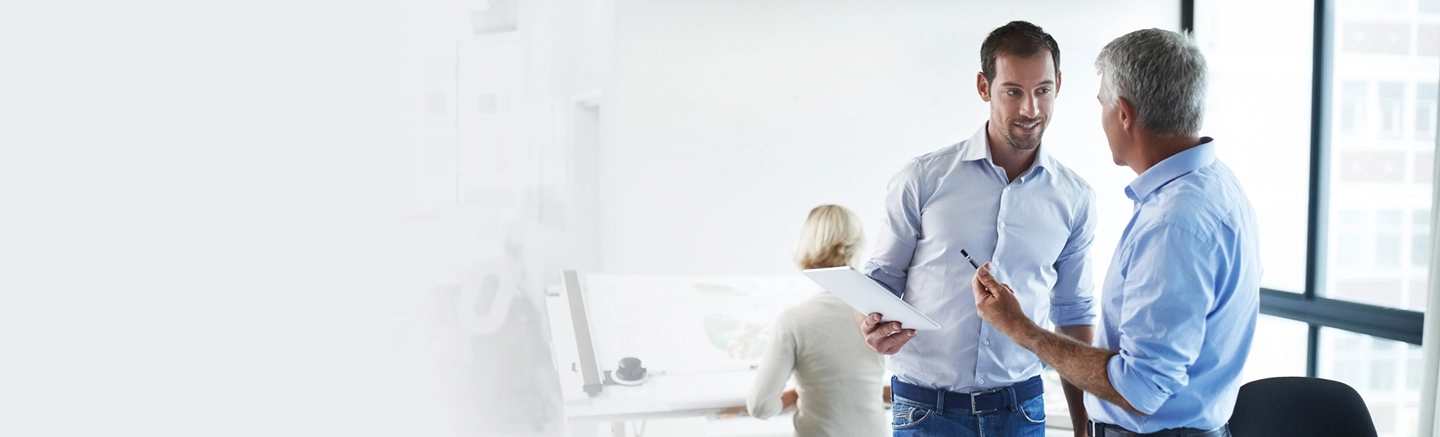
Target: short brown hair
x=1019, y=38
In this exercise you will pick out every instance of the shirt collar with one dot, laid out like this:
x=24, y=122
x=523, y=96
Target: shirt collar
x=1171, y=168
x=978, y=147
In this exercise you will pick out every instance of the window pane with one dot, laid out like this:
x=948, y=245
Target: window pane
x=1353, y=96
x=1425, y=110
x=1386, y=373
x=1262, y=127
x=1420, y=239
x=1392, y=104
x=1431, y=6
x=1278, y=349
x=1381, y=151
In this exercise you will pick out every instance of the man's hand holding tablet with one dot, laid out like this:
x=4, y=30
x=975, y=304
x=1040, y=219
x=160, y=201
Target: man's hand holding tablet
x=886, y=338
x=886, y=321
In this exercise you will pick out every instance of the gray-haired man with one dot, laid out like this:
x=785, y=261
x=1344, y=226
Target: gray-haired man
x=1182, y=294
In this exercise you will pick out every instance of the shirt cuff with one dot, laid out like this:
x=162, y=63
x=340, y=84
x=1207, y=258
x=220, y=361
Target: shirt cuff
x=1073, y=315
x=1135, y=387
x=893, y=283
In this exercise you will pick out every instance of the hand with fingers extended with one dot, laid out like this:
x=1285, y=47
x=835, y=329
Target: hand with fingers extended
x=886, y=338
x=996, y=302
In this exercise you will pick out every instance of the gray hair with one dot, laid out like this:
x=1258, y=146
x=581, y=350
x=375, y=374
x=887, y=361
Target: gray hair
x=1161, y=73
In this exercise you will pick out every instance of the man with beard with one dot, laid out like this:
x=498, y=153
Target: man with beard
x=997, y=196
x=1182, y=295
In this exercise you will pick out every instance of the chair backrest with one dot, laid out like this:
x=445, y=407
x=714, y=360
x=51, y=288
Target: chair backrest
x=1298, y=406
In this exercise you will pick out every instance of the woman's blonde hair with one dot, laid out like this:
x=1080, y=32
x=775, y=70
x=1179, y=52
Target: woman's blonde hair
x=832, y=237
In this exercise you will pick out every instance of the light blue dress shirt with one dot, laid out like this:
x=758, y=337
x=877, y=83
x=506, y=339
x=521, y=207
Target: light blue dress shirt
x=1181, y=297
x=1036, y=230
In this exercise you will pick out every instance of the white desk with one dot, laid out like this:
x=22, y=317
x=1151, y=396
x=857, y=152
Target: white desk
x=694, y=334
x=664, y=396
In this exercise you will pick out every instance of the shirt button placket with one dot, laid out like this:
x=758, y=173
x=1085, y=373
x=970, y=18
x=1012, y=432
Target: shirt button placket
x=1004, y=196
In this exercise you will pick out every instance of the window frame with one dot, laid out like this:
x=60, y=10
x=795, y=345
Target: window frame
x=1310, y=306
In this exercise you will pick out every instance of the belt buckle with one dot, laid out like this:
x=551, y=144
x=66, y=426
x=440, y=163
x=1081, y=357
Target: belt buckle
x=983, y=393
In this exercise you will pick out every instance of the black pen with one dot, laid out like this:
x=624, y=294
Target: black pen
x=968, y=258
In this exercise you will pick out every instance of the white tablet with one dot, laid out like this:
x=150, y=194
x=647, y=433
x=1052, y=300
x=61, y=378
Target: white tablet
x=868, y=296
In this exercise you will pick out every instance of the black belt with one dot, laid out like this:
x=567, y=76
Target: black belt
x=1098, y=429
x=979, y=402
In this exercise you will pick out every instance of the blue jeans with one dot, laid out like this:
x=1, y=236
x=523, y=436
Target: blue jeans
x=922, y=419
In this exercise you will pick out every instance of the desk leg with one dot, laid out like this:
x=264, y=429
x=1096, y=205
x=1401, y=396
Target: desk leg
x=617, y=429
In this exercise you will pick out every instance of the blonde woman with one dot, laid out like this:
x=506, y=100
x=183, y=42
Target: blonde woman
x=840, y=379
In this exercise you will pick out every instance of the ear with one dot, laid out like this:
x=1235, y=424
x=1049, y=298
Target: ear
x=1058, y=78
x=983, y=86
x=1126, y=112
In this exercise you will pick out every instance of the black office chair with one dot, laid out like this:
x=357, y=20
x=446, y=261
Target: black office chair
x=1297, y=406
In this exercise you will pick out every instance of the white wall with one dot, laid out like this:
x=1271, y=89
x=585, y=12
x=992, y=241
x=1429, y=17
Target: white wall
x=219, y=221
x=197, y=237
x=728, y=121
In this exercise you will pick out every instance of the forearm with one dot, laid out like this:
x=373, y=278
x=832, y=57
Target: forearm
x=766, y=397
x=1080, y=364
x=1084, y=366
x=1074, y=397
x=765, y=400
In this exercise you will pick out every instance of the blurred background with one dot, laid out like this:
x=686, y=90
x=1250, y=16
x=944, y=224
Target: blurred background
x=324, y=218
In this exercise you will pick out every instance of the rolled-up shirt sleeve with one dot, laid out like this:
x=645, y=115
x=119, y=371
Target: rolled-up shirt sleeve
x=1169, y=288
x=1072, y=300
x=895, y=245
